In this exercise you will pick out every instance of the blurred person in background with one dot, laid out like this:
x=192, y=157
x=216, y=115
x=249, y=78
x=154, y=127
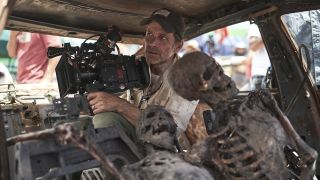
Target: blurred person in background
x=189, y=46
x=239, y=66
x=225, y=42
x=257, y=57
x=30, y=49
x=209, y=47
x=240, y=49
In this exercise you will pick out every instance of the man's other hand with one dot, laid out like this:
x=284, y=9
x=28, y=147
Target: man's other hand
x=104, y=102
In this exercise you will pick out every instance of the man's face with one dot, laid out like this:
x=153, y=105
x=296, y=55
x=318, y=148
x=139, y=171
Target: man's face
x=160, y=46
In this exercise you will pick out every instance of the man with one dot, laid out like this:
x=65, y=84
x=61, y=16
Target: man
x=163, y=40
x=258, y=56
x=30, y=49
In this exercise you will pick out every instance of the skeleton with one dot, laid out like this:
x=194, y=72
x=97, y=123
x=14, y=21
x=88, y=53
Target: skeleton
x=157, y=130
x=196, y=129
x=250, y=135
x=249, y=141
x=205, y=82
x=165, y=166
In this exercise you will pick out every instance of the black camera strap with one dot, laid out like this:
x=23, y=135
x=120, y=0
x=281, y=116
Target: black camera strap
x=156, y=83
x=153, y=88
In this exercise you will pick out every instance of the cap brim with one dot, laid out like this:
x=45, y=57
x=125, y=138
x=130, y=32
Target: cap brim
x=164, y=24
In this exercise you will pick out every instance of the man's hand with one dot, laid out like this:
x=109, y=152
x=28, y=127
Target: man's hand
x=105, y=102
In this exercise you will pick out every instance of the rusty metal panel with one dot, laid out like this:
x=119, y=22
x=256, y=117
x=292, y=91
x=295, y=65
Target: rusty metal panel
x=78, y=18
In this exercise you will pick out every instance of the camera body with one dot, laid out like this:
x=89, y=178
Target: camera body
x=111, y=73
x=91, y=67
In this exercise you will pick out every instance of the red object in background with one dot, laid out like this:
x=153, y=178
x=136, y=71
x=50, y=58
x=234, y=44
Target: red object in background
x=223, y=34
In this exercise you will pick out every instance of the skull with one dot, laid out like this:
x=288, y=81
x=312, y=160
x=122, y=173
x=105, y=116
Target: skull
x=198, y=76
x=157, y=127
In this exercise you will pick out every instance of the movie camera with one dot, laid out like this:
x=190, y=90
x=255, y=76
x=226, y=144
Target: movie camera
x=92, y=67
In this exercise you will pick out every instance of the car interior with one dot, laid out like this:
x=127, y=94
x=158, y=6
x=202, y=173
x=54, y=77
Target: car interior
x=289, y=30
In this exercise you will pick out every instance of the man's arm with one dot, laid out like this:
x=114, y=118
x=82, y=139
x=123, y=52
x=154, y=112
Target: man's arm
x=104, y=102
x=50, y=41
x=12, y=44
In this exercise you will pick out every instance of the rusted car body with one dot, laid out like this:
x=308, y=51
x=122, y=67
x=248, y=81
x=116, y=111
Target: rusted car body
x=294, y=57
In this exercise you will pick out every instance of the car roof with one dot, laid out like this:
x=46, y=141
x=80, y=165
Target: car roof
x=81, y=18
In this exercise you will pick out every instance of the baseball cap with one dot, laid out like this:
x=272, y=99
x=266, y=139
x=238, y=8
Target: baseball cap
x=169, y=21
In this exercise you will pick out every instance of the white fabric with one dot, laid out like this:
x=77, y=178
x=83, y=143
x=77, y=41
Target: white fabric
x=260, y=63
x=254, y=31
x=7, y=78
x=180, y=108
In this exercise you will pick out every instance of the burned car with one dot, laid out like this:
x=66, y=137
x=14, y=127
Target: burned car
x=290, y=31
